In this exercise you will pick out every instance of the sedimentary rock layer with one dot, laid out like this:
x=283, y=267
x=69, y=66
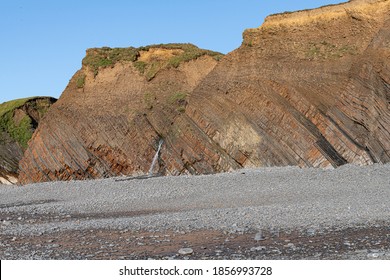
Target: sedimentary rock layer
x=18, y=120
x=310, y=88
x=112, y=115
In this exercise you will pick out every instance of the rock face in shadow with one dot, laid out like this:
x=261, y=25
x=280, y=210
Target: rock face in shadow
x=310, y=88
x=18, y=120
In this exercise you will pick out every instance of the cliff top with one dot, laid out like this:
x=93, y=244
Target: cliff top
x=17, y=103
x=19, y=126
x=359, y=8
x=326, y=33
x=147, y=60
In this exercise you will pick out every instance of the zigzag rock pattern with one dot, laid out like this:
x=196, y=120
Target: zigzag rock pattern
x=310, y=88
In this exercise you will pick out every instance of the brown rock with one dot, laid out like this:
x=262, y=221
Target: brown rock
x=310, y=88
x=109, y=120
x=18, y=120
x=304, y=90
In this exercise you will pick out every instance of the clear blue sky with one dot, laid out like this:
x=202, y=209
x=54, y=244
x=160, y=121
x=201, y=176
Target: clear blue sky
x=43, y=42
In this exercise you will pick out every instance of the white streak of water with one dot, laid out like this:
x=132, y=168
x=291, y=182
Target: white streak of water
x=155, y=157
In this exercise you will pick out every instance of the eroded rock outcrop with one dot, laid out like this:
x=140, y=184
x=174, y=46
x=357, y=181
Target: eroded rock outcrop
x=18, y=120
x=113, y=113
x=310, y=88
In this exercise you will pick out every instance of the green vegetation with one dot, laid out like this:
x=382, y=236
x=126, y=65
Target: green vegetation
x=11, y=105
x=149, y=99
x=80, y=81
x=140, y=66
x=20, y=132
x=326, y=50
x=152, y=69
x=107, y=57
x=181, y=109
x=249, y=44
x=178, y=99
x=190, y=52
x=21, y=129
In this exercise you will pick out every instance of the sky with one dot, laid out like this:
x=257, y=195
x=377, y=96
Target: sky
x=43, y=41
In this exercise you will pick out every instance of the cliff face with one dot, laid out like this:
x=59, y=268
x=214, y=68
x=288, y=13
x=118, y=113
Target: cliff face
x=310, y=88
x=18, y=120
x=114, y=112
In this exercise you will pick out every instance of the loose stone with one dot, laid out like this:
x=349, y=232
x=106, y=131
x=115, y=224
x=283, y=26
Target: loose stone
x=186, y=251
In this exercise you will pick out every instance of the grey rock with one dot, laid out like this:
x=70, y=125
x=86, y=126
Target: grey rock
x=259, y=248
x=288, y=198
x=311, y=231
x=186, y=251
x=373, y=255
x=289, y=245
x=259, y=236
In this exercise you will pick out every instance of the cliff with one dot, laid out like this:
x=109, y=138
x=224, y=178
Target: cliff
x=18, y=120
x=115, y=110
x=310, y=88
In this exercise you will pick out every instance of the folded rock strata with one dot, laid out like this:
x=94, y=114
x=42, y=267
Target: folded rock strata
x=310, y=88
x=18, y=120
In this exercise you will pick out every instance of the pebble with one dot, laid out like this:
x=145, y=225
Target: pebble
x=289, y=245
x=259, y=236
x=185, y=251
x=373, y=255
x=309, y=224
x=364, y=251
x=259, y=248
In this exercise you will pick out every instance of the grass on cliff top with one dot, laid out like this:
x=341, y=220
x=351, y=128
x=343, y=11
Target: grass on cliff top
x=190, y=52
x=104, y=57
x=12, y=105
x=97, y=58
